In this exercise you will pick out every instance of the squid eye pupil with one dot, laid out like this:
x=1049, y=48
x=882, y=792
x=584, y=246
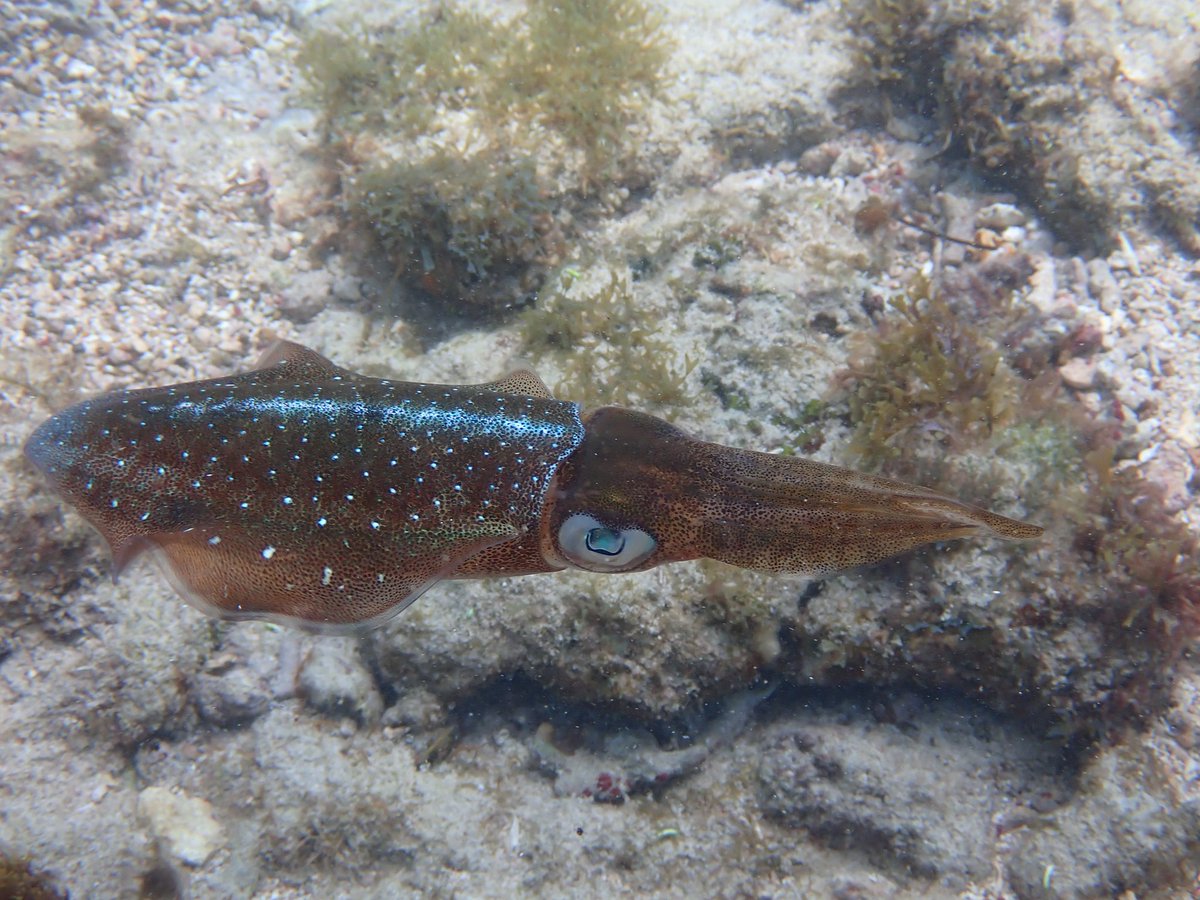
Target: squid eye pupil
x=595, y=546
x=605, y=540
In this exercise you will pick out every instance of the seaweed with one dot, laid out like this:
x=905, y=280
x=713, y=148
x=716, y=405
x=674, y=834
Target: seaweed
x=729, y=396
x=718, y=251
x=1002, y=95
x=945, y=390
x=19, y=881
x=609, y=348
x=456, y=225
x=1018, y=95
x=1006, y=105
x=396, y=80
x=347, y=79
x=583, y=70
x=927, y=374
x=807, y=434
x=900, y=47
x=467, y=144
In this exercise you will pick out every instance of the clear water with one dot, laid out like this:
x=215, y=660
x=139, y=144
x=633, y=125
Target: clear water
x=951, y=246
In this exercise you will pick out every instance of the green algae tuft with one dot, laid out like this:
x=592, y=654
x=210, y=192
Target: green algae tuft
x=927, y=374
x=610, y=348
x=466, y=146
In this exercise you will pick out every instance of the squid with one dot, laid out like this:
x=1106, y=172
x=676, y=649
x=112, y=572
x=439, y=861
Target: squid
x=303, y=493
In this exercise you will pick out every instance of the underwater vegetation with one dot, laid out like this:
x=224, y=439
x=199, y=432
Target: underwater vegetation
x=1035, y=106
x=460, y=228
x=466, y=145
x=19, y=881
x=582, y=71
x=901, y=45
x=927, y=375
x=609, y=347
x=953, y=388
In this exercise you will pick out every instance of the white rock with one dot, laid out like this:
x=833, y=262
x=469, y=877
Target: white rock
x=1103, y=286
x=1043, y=285
x=185, y=824
x=1172, y=471
x=999, y=216
x=78, y=70
x=1078, y=373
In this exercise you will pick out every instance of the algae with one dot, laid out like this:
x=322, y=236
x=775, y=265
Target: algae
x=582, y=71
x=457, y=225
x=1034, y=105
x=610, y=348
x=927, y=373
x=468, y=145
x=20, y=881
x=943, y=391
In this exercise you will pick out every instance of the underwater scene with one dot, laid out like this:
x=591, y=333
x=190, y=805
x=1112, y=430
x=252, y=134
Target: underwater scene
x=582, y=448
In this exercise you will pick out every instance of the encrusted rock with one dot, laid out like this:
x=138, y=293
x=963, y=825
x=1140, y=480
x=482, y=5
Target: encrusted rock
x=1171, y=469
x=848, y=796
x=185, y=824
x=1142, y=832
x=232, y=697
x=335, y=681
x=1000, y=216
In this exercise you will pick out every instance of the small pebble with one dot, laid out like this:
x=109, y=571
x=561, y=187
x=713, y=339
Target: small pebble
x=78, y=70
x=1079, y=373
x=999, y=216
x=185, y=824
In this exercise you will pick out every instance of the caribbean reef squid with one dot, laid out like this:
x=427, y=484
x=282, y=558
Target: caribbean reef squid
x=304, y=493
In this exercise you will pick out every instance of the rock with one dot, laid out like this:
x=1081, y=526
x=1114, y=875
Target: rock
x=776, y=132
x=1043, y=286
x=919, y=799
x=416, y=708
x=78, y=70
x=1171, y=470
x=232, y=698
x=306, y=295
x=1079, y=373
x=185, y=824
x=819, y=159
x=999, y=216
x=1103, y=286
x=1141, y=833
x=335, y=681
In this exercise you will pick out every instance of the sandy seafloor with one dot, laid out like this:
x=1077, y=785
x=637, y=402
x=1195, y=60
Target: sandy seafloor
x=143, y=747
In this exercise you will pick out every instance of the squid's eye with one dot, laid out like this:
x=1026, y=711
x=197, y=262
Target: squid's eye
x=592, y=545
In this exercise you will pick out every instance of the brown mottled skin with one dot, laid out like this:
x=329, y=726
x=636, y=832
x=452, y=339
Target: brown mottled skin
x=304, y=493
x=749, y=509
